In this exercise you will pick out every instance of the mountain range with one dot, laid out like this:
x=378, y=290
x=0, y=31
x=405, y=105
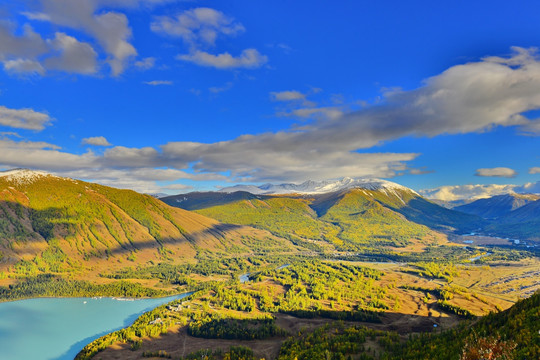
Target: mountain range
x=348, y=213
x=319, y=187
x=50, y=223
x=337, y=211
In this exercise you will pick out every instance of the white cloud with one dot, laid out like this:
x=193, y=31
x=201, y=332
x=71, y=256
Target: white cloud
x=23, y=66
x=121, y=156
x=249, y=58
x=289, y=95
x=199, y=26
x=328, y=112
x=96, y=141
x=40, y=155
x=496, y=172
x=146, y=63
x=24, y=118
x=28, y=45
x=294, y=98
x=534, y=170
x=36, y=16
x=178, y=187
x=75, y=56
x=158, y=82
x=110, y=29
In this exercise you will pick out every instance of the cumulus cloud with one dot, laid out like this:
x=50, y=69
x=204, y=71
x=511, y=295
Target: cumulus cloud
x=534, y=170
x=41, y=155
x=158, y=82
x=96, y=141
x=28, y=45
x=472, y=97
x=110, y=30
x=74, y=57
x=199, y=26
x=24, y=118
x=178, y=187
x=276, y=157
x=249, y=58
x=496, y=172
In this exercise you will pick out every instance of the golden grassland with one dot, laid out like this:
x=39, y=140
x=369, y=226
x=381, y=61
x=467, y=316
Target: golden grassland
x=412, y=307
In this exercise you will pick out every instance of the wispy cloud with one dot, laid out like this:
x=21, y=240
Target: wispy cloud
x=146, y=63
x=288, y=95
x=219, y=89
x=24, y=118
x=496, y=172
x=199, y=28
x=158, y=82
x=534, y=170
x=249, y=58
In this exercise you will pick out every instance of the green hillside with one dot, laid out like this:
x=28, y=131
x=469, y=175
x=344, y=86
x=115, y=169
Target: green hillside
x=56, y=225
x=348, y=219
x=512, y=334
x=515, y=328
x=291, y=218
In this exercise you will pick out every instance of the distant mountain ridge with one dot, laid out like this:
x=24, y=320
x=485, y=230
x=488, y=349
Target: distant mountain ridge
x=497, y=206
x=347, y=213
x=319, y=187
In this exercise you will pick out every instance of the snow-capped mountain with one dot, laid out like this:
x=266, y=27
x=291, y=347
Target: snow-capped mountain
x=319, y=187
x=23, y=176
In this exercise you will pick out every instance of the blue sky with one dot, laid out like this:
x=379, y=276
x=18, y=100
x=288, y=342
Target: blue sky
x=172, y=96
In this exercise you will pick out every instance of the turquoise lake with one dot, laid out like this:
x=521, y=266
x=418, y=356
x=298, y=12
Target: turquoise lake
x=57, y=329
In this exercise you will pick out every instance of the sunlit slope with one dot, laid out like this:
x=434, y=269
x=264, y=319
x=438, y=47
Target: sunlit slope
x=347, y=219
x=286, y=217
x=57, y=224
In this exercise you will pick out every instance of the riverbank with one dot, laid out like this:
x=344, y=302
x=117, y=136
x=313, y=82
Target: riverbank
x=58, y=328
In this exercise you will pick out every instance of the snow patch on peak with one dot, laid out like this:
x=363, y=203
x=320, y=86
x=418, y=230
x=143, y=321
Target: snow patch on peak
x=23, y=176
x=320, y=187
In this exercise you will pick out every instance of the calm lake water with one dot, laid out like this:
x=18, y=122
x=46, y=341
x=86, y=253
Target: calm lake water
x=57, y=329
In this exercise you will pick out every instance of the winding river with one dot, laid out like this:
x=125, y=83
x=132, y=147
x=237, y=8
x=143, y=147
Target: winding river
x=58, y=328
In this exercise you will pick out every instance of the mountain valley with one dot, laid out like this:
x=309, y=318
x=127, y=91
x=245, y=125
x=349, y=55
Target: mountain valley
x=268, y=271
